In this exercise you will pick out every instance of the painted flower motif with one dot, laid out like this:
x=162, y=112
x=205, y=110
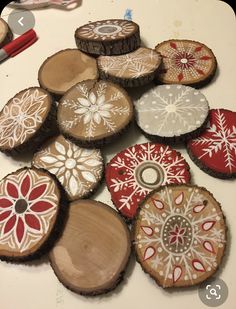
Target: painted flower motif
x=185, y=60
x=94, y=108
x=109, y=29
x=20, y=118
x=22, y=208
x=78, y=169
x=176, y=236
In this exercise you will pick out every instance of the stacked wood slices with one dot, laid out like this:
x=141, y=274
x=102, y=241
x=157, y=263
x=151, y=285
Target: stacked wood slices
x=178, y=230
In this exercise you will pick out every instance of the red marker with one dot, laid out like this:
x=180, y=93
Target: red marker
x=18, y=45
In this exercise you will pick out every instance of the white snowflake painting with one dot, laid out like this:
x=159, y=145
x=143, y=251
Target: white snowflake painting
x=137, y=170
x=171, y=110
x=133, y=65
x=98, y=110
x=216, y=147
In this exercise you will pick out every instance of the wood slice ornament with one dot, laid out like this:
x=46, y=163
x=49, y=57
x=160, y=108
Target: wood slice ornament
x=214, y=151
x=32, y=207
x=64, y=69
x=134, y=69
x=28, y=119
x=186, y=62
x=108, y=37
x=172, y=113
x=180, y=235
x=93, y=112
x=91, y=256
x=137, y=170
x=79, y=170
x=5, y=33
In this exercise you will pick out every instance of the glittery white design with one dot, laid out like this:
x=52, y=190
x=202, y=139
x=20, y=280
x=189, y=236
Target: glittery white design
x=21, y=117
x=173, y=170
x=186, y=238
x=22, y=230
x=94, y=109
x=108, y=29
x=132, y=65
x=223, y=140
x=171, y=110
x=78, y=169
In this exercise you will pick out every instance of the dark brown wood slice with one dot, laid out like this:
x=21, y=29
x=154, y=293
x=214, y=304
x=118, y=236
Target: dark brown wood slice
x=180, y=235
x=134, y=69
x=93, y=251
x=186, y=62
x=32, y=207
x=64, y=69
x=27, y=120
x=5, y=33
x=94, y=112
x=108, y=37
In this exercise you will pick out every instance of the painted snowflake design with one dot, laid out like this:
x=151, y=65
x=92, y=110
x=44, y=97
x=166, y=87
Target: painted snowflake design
x=78, y=169
x=21, y=117
x=180, y=235
x=137, y=170
x=171, y=110
x=95, y=109
x=107, y=29
x=216, y=147
x=132, y=65
x=27, y=205
x=185, y=61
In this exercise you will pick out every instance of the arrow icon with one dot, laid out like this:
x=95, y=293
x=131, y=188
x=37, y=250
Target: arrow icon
x=20, y=21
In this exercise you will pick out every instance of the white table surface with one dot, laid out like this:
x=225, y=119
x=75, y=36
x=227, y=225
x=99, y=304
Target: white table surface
x=209, y=21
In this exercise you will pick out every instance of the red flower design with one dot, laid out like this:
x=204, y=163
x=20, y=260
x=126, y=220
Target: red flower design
x=177, y=235
x=21, y=208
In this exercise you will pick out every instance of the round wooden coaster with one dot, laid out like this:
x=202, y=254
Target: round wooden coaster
x=135, y=69
x=186, y=62
x=31, y=202
x=27, y=120
x=214, y=151
x=93, y=112
x=172, y=113
x=93, y=252
x=139, y=169
x=79, y=170
x=108, y=37
x=5, y=33
x=64, y=69
x=179, y=235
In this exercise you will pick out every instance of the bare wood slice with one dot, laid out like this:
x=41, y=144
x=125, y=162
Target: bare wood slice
x=179, y=235
x=64, y=69
x=134, y=69
x=27, y=120
x=108, y=37
x=79, y=170
x=31, y=201
x=5, y=33
x=94, y=249
x=94, y=112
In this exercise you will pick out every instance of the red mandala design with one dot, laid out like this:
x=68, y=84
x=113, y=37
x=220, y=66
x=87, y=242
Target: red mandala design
x=185, y=61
